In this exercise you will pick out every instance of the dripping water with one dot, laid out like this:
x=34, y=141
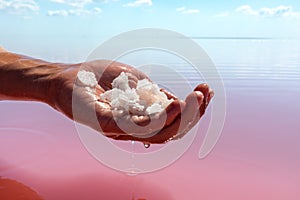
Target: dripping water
x=146, y=145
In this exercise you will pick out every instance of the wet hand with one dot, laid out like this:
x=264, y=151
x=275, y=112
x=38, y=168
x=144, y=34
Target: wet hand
x=84, y=105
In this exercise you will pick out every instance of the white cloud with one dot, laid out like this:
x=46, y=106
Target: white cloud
x=279, y=11
x=139, y=3
x=184, y=10
x=74, y=12
x=74, y=3
x=58, y=13
x=19, y=6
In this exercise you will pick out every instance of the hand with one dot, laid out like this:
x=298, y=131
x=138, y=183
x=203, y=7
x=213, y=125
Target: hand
x=179, y=117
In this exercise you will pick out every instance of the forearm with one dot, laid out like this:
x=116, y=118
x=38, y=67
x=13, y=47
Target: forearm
x=24, y=78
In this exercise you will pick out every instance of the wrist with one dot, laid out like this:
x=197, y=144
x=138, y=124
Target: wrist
x=24, y=78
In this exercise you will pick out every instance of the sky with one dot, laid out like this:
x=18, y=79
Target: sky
x=38, y=25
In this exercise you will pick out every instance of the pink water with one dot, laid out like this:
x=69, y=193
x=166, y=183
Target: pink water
x=257, y=156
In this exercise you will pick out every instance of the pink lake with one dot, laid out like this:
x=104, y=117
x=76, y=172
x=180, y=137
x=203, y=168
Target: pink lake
x=256, y=157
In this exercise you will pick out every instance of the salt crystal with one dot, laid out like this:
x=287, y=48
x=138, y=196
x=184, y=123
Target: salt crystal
x=145, y=99
x=87, y=78
x=121, y=82
x=154, y=108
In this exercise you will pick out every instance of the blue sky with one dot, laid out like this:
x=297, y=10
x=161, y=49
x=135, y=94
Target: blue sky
x=51, y=23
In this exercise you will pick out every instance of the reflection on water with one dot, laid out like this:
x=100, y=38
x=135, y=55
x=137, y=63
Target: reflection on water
x=14, y=190
x=21, y=146
x=255, y=65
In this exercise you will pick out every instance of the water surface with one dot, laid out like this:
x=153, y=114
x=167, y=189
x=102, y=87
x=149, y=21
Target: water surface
x=257, y=156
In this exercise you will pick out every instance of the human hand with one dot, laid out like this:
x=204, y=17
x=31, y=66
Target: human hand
x=85, y=106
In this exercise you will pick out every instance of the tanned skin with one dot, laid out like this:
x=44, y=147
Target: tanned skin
x=26, y=78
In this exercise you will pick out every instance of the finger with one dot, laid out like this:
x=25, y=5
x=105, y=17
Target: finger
x=137, y=126
x=208, y=94
x=190, y=110
x=191, y=114
x=173, y=112
x=193, y=101
x=169, y=94
x=148, y=125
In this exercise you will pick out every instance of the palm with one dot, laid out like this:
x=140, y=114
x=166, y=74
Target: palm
x=179, y=117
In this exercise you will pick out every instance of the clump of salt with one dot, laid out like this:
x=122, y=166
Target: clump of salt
x=146, y=98
x=87, y=78
x=89, y=81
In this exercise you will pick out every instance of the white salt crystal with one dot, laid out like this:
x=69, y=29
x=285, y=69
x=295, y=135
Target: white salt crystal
x=145, y=99
x=147, y=85
x=154, y=108
x=87, y=78
x=121, y=82
x=146, y=88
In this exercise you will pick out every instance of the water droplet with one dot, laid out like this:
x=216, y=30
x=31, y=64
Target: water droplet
x=132, y=151
x=146, y=145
